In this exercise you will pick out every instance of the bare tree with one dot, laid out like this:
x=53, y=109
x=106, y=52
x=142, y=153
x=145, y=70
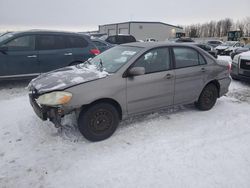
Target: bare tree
x=218, y=28
x=246, y=23
x=226, y=25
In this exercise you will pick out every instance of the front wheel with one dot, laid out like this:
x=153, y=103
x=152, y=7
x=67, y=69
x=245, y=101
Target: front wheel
x=98, y=122
x=208, y=97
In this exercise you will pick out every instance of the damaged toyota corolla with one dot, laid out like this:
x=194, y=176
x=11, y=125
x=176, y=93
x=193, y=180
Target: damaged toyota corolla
x=127, y=80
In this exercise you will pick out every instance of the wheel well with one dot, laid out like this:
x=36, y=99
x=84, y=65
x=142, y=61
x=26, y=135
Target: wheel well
x=217, y=84
x=109, y=101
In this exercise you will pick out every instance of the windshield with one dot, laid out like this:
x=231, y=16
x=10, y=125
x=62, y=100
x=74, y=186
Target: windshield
x=113, y=59
x=228, y=43
x=5, y=36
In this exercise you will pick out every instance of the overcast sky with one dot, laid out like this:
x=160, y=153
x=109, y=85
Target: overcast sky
x=85, y=15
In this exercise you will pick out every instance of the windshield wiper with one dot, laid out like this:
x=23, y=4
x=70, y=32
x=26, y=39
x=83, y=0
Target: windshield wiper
x=101, y=63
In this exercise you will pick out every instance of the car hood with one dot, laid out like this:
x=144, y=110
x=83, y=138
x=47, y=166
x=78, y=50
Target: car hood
x=242, y=49
x=245, y=55
x=63, y=78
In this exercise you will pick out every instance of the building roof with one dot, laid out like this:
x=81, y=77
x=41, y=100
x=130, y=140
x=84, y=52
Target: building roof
x=143, y=22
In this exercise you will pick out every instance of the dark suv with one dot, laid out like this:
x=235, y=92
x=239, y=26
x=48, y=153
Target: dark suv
x=27, y=54
x=120, y=39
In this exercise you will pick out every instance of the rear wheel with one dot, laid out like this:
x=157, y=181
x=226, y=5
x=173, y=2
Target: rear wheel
x=207, y=97
x=98, y=122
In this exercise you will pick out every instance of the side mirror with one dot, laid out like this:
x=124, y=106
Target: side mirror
x=136, y=71
x=4, y=49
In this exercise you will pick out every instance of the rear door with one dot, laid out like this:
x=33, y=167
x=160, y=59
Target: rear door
x=21, y=57
x=80, y=48
x=53, y=52
x=190, y=69
x=154, y=89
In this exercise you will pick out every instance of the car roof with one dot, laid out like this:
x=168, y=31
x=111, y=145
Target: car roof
x=38, y=31
x=125, y=35
x=159, y=44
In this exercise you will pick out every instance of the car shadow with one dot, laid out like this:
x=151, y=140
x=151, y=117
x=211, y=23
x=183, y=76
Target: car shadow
x=70, y=132
x=14, y=84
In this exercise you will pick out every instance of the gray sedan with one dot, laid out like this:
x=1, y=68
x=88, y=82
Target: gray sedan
x=126, y=80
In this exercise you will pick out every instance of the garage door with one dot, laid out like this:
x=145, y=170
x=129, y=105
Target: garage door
x=123, y=31
x=111, y=32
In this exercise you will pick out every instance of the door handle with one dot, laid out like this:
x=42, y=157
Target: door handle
x=68, y=54
x=32, y=56
x=169, y=76
x=203, y=69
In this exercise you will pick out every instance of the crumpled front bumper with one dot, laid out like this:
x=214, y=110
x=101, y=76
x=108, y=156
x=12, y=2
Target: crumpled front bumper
x=40, y=112
x=54, y=114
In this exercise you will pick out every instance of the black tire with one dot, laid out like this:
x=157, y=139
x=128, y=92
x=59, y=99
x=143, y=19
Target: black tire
x=208, y=97
x=235, y=78
x=98, y=122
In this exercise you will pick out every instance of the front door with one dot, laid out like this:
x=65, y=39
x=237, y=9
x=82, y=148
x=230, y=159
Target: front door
x=154, y=89
x=20, y=58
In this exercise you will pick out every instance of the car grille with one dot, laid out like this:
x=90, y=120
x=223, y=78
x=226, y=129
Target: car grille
x=245, y=64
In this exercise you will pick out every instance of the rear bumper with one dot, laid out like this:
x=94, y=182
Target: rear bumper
x=224, y=85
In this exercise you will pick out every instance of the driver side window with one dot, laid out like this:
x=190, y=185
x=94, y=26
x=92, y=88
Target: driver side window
x=155, y=60
x=22, y=43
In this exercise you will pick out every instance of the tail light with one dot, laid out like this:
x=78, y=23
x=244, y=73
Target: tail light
x=95, y=51
x=229, y=67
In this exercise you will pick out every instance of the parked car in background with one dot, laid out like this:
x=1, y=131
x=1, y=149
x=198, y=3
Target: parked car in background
x=180, y=40
x=120, y=39
x=102, y=45
x=241, y=66
x=214, y=43
x=240, y=50
x=207, y=48
x=27, y=54
x=150, y=40
x=227, y=47
x=126, y=80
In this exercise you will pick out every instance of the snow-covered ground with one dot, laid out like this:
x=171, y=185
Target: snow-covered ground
x=183, y=147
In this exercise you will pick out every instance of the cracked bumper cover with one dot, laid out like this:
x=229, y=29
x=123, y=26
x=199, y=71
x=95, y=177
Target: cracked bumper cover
x=54, y=114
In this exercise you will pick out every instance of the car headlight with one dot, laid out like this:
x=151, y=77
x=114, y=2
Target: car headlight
x=54, y=98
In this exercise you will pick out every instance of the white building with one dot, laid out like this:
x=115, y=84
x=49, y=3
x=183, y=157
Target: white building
x=142, y=30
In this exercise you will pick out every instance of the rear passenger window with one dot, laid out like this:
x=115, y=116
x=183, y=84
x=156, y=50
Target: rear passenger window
x=201, y=60
x=77, y=42
x=51, y=42
x=120, y=40
x=185, y=57
x=99, y=44
x=111, y=39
